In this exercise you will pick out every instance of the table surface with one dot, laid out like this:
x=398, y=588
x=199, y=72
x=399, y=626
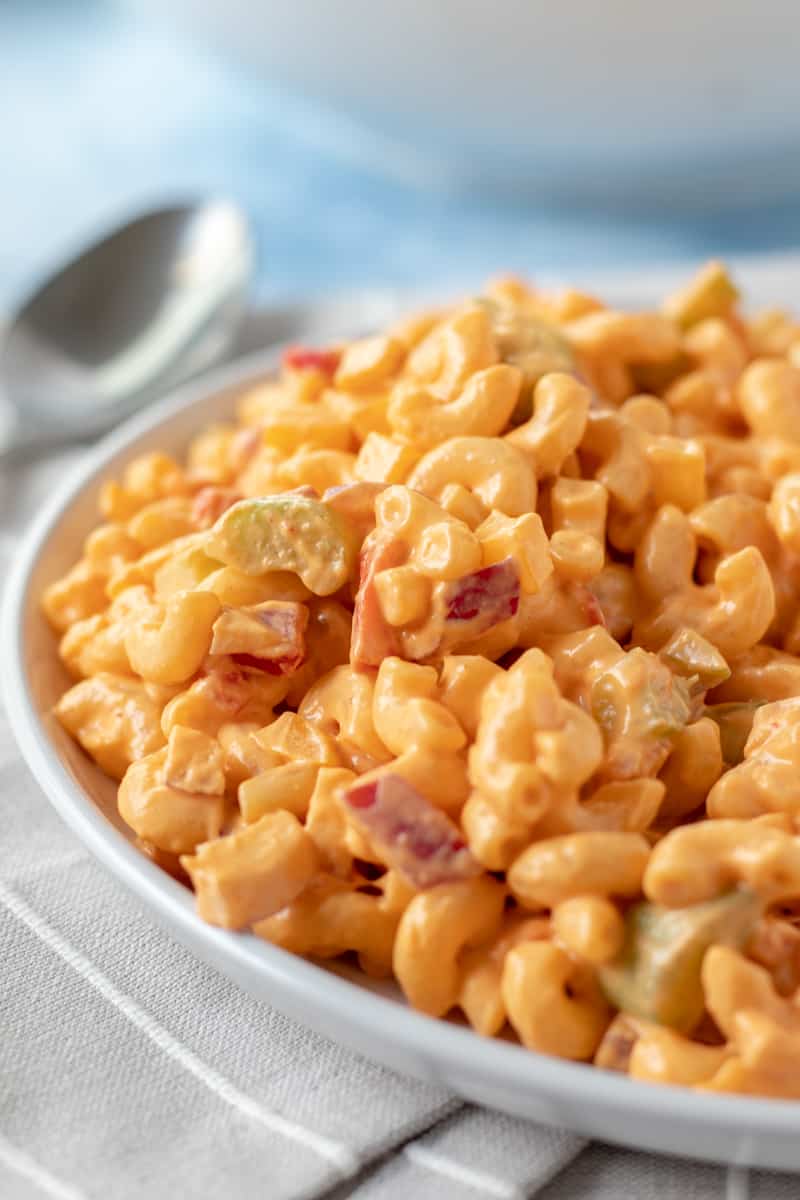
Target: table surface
x=103, y=114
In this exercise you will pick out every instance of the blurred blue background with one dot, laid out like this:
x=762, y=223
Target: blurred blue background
x=103, y=113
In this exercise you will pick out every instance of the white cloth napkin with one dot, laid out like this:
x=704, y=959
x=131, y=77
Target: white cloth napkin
x=130, y=1070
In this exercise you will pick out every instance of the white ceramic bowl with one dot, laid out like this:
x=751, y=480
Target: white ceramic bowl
x=348, y=1008
x=672, y=103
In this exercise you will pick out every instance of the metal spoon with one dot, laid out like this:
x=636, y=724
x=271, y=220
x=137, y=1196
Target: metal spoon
x=152, y=303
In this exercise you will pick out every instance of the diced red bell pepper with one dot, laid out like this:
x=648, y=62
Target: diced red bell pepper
x=306, y=358
x=373, y=638
x=227, y=685
x=287, y=621
x=594, y=613
x=271, y=666
x=485, y=597
x=410, y=834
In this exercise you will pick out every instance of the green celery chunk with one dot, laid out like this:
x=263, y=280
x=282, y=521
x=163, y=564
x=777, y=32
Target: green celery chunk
x=690, y=655
x=533, y=345
x=639, y=697
x=288, y=533
x=657, y=974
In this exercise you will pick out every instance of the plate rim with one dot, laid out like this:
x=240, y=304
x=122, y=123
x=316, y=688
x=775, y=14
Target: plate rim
x=383, y=1019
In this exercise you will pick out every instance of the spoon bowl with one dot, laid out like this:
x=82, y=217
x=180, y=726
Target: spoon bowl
x=149, y=305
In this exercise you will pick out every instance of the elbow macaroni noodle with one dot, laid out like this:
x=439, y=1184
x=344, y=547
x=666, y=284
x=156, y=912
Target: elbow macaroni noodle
x=472, y=648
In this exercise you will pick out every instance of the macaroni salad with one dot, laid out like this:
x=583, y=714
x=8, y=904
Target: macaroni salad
x=472, y=650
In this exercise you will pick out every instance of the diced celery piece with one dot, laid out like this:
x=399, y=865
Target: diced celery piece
x=639, y=697
x=688, y=654
x=657, y=975
x=533, y=345
x=288, y=533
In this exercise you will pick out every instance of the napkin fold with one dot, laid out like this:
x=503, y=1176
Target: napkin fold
x=129, y=1069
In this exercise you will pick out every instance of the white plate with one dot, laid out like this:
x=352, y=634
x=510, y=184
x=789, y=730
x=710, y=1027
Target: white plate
x=372, y=1021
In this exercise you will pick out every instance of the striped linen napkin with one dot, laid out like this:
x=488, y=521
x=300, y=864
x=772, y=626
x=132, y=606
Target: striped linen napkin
x=129, y=1070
